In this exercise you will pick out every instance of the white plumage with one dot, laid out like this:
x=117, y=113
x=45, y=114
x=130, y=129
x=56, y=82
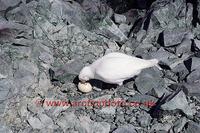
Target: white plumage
x=115, y=67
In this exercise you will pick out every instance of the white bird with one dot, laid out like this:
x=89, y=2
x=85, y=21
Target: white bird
x=115, y=67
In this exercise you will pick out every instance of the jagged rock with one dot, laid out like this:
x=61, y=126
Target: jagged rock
x=7, y=3
x=164, y=56
x=179, y=101
x=35, y=105
x=193, y=88
x=145, y=101
x=173, y=36
x=71, y=68
x=192, y=63
x=6, y=88
x=198, y=8
x=144, y=119
x=24, y=68
x=111, y=30
x=179, y=124
x=4, y=129
x=87, y=125
x=149, y=79
x=192, y=127
x=133, y=15
x=161, y=127
x=140, y=35
x=181, y=71
x=46, y=57
x=46, y=121
x=108, y=110
x=119, y=18
x=185, y=45
x=197, y=43
x=35, y=123
x=101, y=127
x=128, y=128
x=5, y=68
x=193, y=76
x=170, y=14
x=44, y=84
x=67, y=120
x=125, y=28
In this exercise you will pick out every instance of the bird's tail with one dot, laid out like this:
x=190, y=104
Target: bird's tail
x=154, y=62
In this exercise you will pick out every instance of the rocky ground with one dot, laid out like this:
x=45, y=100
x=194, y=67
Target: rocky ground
x=45, y=43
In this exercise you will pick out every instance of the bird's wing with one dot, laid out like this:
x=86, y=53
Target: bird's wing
x=117, y=54
x=116, y=68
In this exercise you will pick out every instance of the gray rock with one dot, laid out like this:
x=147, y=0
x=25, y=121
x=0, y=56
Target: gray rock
x=35, y=105
x=8, y=3
x=197, y=43
x=6, y=89
x=145, y=101
x=108, y=110
x=163, y=56
x=179, y=124
x=111, y=30
x=181, y=71
x=149, y=79
x=144, y=119
x=179, y=101
x=87, y=125
x=128, y=128
x=193, y=76
x=170, y=14
x=198, y=8
x=67, y=120
x=161, y=127
x=104, y=97
x=140, y=35
x=195, y=63
x=185, y=45
x=173, y=36
x=72, y=12
x=24, y=82
x=192, y=127
x=133, y=15
x=120, y=118
x=68, y=71
x=2, y=107
x=189, y=14
x=35, y=123
x=101, y=127
x=46, y=57
x=125, y=28
x=193, y=88
x=46, y=121
x=5, y=68
x=4, y=129
x=142, y=49
x=119, y=18
x=72, y=67
x=24, y=68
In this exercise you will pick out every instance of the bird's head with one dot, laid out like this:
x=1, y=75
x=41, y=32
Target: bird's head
x=86, y=74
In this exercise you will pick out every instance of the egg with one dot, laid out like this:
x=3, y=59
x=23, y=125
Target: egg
x=84, y=87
